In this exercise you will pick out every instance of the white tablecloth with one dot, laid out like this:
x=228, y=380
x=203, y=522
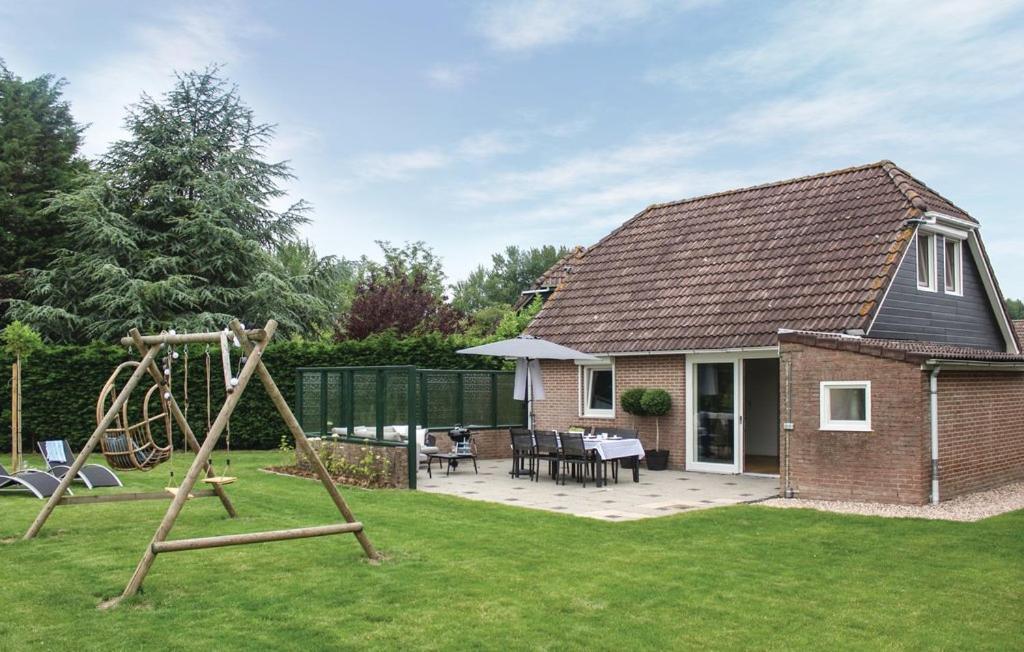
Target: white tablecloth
x=610, y=449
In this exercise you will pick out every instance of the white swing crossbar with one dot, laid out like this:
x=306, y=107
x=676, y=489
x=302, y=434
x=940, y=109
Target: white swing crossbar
x=255, y=537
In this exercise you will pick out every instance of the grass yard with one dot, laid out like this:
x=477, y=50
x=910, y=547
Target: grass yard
x=464, y=574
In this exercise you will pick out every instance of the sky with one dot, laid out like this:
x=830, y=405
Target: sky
x=475, y=125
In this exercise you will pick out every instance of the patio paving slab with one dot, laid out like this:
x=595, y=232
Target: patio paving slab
x=659, y=493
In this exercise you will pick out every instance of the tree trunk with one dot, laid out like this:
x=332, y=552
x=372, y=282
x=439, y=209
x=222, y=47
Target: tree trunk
x=16, y=414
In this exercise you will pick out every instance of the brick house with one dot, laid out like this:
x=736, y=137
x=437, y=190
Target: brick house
x=840, y=330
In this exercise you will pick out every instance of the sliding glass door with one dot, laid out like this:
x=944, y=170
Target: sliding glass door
x=712, y=414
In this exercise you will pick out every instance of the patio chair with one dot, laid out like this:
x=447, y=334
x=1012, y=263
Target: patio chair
x=573, y=455
x=426, y=444
x=523, y=452
x=546, y=450
x=40, y=483
x=59, y=458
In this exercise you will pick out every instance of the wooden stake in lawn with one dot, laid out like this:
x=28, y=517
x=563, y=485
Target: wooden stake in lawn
x=150, y=345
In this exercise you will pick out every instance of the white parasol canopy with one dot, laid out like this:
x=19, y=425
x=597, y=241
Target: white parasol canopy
x=527, y=351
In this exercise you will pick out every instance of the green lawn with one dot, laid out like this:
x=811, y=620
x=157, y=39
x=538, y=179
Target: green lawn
x=464, y=574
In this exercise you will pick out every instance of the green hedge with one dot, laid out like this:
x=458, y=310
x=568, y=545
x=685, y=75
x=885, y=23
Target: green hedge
x=60, y=384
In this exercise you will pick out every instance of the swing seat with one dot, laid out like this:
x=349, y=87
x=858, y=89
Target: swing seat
x=219, y=479
x=127, y=446
x=174, y=492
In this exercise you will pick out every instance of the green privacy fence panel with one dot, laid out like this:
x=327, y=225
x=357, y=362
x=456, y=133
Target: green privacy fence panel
x=374, y=397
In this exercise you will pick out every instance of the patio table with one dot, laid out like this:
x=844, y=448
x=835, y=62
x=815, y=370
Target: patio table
x=613, y=449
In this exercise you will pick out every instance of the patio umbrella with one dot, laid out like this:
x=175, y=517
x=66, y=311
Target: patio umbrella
x=528, y=351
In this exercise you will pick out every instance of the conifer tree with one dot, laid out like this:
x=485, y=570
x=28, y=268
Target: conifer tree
x=175, y=227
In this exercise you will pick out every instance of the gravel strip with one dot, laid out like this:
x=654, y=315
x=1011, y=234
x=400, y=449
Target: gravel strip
x=969, y=508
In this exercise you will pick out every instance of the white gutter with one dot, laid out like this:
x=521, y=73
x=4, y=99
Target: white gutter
x=934, y=391
x=973, y=365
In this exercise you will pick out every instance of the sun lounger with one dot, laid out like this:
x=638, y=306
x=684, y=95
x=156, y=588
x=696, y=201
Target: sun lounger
x=59, y=457
x=40, y=483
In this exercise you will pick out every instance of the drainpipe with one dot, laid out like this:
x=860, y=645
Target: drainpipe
x=934, y=391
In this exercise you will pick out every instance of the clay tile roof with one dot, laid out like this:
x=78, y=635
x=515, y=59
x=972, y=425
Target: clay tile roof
x=554, y=276
x=909, y=350
x=1018, y=326
x=730, y=269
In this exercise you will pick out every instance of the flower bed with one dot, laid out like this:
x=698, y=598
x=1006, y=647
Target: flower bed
x=355, y=464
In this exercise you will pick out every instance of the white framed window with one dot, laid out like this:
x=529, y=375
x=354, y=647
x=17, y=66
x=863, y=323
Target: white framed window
x=846, y=405
x=953, y=266
x=597, y=390
x=926, y=272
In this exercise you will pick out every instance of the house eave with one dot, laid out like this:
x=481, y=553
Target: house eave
x=744, y=349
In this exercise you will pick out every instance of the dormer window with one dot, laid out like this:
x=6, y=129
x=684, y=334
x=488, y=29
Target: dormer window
x=954, y=273
x=926, y=272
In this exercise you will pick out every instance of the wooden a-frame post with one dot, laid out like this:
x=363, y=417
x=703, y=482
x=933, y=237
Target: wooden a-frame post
x=147, y=365
x=94, y=439
x=149, y=346
x=159, y=543
x=300, y=440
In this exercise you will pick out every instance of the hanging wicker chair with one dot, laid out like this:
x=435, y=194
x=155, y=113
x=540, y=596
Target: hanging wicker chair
x=126, y=446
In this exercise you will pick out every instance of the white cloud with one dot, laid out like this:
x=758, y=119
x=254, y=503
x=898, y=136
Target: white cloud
x=399, y=165
x=532, y=24
x=487, y=145
x=186, y=38
x=451, y=75
x=889, y=42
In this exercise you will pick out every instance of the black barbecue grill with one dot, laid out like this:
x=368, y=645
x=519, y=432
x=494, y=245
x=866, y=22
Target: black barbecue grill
x=461, y=441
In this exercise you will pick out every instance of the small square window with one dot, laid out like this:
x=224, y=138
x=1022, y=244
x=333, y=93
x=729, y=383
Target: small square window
x=597, y=391
x=846, y=405
x=954, y=266
x=926, y=261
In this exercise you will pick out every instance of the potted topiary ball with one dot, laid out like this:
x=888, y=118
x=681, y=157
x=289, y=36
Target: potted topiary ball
x=632, y=404
x=656, y=403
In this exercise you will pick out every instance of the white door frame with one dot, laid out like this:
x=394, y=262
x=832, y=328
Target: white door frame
x=691, y=401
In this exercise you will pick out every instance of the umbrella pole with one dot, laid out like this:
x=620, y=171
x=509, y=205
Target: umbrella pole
x=529, y=397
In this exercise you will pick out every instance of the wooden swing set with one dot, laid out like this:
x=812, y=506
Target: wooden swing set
x=131, y=446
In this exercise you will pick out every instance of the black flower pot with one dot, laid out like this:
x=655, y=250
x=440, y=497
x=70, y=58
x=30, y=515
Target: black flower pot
x=657, y=460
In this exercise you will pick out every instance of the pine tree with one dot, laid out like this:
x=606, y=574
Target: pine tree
x=174, y=228
x=39, y=141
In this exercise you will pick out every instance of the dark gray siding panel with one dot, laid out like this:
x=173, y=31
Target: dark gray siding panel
x=911, y=314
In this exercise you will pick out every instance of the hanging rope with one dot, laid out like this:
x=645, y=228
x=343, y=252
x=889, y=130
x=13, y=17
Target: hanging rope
x=208, y=402
x=184, y=386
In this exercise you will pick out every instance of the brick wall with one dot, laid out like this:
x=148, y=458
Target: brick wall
x=560, y=407
x=891, y=463
x=981, y=430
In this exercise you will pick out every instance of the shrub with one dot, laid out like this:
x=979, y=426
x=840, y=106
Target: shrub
x=656, y=403
x=632, y=402
x=60, y=393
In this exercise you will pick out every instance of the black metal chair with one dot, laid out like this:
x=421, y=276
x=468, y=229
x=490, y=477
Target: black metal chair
x=546, y=450
x=523, y=453
x=573, y=455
